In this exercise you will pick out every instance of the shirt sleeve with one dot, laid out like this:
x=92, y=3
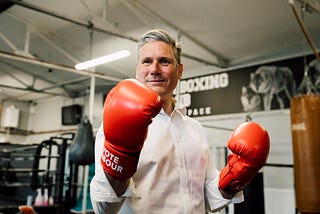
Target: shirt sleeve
x=102, y=191
x=214, y=199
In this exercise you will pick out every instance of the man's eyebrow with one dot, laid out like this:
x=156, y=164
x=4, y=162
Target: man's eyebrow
x=145, y=57
x=166, y=58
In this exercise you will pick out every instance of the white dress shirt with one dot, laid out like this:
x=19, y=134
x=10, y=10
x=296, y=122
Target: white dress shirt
x=175, y=174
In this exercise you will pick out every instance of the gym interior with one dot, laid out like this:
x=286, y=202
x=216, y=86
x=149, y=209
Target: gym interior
x=243, y=61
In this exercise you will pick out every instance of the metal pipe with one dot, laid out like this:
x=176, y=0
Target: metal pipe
x=32, y=89
x=216, y=127
x=65, y=18
x=65, y=83
x=304, y=30
x=279, y=165
x=14, y=77
x=86, y=167
x=221, y=61
x=53, y=65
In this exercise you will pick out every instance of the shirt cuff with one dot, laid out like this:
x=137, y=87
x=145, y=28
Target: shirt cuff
x=215, y=199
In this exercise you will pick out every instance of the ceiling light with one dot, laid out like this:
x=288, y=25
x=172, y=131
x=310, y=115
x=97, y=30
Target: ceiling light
x=101, y=60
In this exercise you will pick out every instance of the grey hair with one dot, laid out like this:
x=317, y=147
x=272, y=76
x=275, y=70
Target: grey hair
x=161, y=35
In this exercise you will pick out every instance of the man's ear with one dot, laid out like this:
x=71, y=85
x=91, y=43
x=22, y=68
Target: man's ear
x=180, y=71
x=136, y=70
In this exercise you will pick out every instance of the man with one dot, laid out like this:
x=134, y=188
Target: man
x=151, y=157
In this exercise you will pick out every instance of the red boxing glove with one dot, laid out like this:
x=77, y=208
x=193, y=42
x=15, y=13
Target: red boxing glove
x=250, y=146
x=128, y=111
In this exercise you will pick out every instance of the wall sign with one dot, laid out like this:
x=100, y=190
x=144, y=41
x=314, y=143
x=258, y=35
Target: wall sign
x=261, y=87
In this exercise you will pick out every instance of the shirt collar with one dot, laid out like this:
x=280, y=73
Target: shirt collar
x=178, y=106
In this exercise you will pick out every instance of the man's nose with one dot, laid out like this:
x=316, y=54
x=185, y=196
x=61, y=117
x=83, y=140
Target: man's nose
x=155, y=68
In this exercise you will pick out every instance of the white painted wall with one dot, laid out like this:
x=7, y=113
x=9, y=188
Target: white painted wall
x=47, y=115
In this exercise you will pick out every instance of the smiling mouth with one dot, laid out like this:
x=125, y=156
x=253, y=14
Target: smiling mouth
x=156, y=81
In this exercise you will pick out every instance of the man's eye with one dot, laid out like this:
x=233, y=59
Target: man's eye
x=146, y=61
x=164, y=61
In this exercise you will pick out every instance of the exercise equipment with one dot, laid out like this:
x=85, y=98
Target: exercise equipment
x=82, y=149
x=305, y=126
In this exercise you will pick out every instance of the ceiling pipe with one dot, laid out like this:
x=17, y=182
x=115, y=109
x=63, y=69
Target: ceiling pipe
x=311, y=6
x=137, y=13
x=89, y=25
x=221, y=61
x=54, y=45
x=32, y=90
x=304, y=30
x=5, y=5
x=53, y=65
x=44, y=90
x=66, y=83
x=11, y=74
x=68, y=19
x=71, y=93
x=8, y=42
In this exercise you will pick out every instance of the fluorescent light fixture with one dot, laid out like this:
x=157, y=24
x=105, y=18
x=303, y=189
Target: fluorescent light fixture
x=101, y=60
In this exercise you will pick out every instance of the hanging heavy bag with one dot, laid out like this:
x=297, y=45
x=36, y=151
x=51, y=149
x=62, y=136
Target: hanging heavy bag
x=305, y=126
x=82, y=149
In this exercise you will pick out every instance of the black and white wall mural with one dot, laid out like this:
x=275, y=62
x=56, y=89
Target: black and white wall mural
x=263, y=87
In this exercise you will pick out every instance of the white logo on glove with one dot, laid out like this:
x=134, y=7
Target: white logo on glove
x=111, y=161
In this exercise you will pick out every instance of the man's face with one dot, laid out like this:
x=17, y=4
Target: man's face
x=158, y=68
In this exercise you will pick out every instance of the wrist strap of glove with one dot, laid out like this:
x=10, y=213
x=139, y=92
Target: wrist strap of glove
x=118, y=164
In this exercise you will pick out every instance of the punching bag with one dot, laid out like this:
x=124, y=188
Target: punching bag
x=305, y=129
x=82, y=149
